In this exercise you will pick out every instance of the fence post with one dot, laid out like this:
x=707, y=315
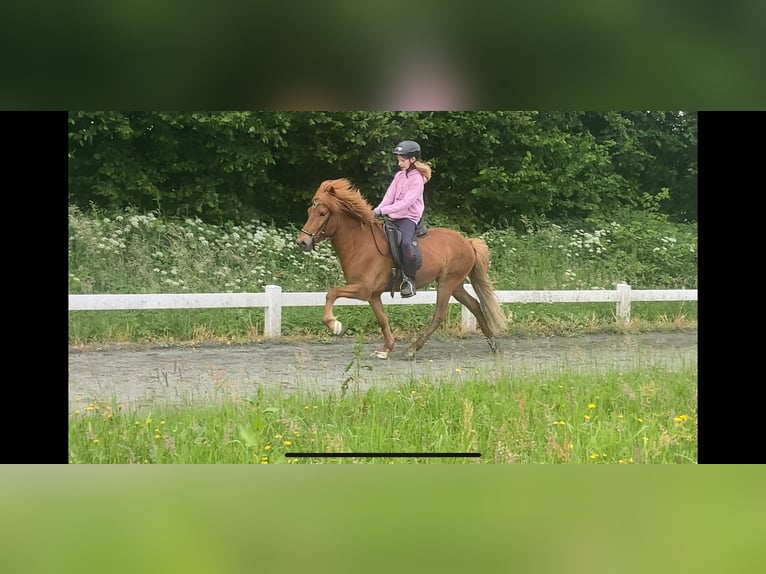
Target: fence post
x=467, y=319
x=272, y=320
x=623, y=303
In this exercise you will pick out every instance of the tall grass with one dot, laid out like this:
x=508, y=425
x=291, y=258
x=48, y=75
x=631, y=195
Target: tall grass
x=142, y=253
x=642, y=416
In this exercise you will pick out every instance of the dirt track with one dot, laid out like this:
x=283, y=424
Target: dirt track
x=142, y=376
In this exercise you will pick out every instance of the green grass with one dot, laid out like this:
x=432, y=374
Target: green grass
x=642, y=416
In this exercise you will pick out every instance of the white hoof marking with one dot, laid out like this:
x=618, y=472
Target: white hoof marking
x=380, y=354
x=337, y=327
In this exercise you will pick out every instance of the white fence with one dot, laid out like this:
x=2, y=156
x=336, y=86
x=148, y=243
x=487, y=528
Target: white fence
x=274, y=299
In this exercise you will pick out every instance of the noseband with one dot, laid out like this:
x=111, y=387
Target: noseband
x=320, y=232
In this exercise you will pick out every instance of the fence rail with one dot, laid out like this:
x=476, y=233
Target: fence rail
x=273, y=299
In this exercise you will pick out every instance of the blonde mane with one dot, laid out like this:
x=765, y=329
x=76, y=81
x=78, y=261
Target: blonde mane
x=341, y=196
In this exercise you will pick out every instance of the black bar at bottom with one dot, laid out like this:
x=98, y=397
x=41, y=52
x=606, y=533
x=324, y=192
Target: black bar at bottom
x=382, y=454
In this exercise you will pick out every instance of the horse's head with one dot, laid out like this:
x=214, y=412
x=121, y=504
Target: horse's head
x=336, y=200
x=315, y=229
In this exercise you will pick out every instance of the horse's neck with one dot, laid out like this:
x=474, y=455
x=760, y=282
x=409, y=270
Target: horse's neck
x=348, y=237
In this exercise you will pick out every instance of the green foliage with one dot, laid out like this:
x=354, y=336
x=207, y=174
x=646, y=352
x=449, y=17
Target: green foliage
x=490, y=168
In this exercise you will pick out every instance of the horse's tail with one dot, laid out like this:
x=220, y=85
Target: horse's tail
x=484, y=288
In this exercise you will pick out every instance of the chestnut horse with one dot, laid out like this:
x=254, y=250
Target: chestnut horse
x=338, y=212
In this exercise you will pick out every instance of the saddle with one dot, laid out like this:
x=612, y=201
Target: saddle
x=394, y=237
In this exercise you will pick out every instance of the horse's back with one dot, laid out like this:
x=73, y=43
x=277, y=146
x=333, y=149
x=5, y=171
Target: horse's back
x=447, y=244
x=437, y=236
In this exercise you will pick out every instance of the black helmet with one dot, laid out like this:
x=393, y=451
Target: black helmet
x=408, y=148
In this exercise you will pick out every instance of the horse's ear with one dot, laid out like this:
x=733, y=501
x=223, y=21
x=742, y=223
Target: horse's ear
x=327, y=186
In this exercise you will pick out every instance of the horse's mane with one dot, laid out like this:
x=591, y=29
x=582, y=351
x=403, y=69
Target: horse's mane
x=341, y=196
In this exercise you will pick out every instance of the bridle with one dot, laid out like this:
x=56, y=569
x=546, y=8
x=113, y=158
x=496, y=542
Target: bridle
x=320, y=232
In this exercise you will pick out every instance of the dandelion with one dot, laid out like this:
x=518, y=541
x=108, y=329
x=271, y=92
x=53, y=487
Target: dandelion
x=288, y=442
x=267, y=447
x=591, y=406
x=586, y=417
x=457, y=370
x=278, y=436
x=680, y=418
x=96, y=441
x=594, y=456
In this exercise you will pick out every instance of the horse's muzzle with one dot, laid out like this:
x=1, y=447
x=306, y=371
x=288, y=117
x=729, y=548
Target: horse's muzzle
x=306, y=243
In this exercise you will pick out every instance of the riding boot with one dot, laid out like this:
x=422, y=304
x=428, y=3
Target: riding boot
x=407, y=288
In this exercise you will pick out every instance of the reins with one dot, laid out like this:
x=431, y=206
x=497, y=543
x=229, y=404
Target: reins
x=373, y=226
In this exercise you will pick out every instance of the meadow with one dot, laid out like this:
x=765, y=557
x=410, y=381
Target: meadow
x=642, y=416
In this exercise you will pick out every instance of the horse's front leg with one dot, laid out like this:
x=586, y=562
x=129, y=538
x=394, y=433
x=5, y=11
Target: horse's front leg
x=351, y=291
x=385, y=328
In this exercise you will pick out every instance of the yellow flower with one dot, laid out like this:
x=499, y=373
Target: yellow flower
x=457, y=370
x=264, y=462
x=570, y=446
x=297, y=433
x=680, y=418
x=594, y=456
x=267, y=447
x=77, y=412
x=96, y=441
x=277, y=436
x=587, y=417
x=158, y=436
x=288, y=442
x=591, y=406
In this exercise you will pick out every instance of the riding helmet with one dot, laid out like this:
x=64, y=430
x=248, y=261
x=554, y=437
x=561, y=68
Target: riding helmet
x=408, y=148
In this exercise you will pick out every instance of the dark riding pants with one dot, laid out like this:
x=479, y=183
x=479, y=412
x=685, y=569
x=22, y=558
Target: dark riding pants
x=411, y=259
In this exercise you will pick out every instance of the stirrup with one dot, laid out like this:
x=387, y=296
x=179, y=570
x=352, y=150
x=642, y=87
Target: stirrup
x=407, y=288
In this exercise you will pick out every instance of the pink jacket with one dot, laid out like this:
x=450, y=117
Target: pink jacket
x=404, y=197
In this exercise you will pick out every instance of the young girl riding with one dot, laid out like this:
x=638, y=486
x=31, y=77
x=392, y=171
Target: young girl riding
x=404, y=206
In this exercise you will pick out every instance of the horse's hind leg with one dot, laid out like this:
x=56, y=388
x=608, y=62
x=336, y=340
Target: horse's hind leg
x=440, y=314
x=473, y=306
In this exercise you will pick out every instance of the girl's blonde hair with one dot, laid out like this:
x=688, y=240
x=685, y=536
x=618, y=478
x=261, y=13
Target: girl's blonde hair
x=424, y=168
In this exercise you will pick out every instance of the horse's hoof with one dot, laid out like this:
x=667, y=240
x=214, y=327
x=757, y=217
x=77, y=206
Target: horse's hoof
x=337, y=327
x=380, y=354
